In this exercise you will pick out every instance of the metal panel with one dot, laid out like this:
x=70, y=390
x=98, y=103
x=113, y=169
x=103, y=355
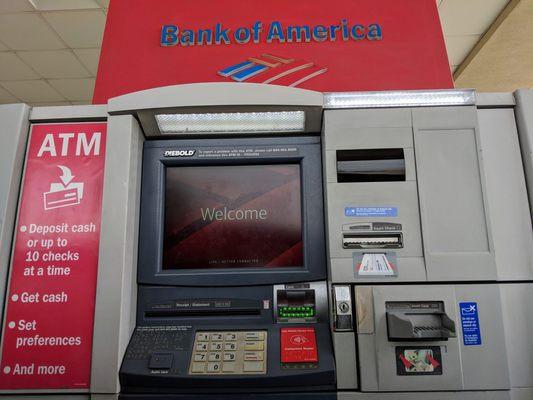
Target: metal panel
x=345, y=360
x=494, y=395
x=70, y=113
x=14, y=129
x=506, y=194
x=455, y=225
x=117, y=288
x=517, y=307
x=482, y=365
x=524, y=120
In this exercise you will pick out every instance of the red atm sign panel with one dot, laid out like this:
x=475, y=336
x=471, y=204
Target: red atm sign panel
x=47, y=339
x=337, y=46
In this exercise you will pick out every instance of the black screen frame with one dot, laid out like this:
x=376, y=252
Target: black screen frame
x=152, y=211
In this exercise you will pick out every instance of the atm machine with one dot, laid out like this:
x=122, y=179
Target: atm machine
x=232, y=293
x=260, y=241
x=395, y=298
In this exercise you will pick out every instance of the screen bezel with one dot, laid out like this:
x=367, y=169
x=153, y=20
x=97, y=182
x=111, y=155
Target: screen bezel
x=151, y=229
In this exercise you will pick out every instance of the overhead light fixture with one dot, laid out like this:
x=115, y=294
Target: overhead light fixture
x=240, y=122
x=415, y=98
x=57, y=5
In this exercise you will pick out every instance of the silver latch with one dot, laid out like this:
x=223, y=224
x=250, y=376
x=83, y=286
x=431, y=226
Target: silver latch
x=343, y=308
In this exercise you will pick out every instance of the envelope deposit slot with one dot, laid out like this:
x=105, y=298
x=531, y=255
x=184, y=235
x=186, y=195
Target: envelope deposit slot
x=418, y=321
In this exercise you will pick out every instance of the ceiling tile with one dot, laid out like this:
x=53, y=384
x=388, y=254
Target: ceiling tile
x=74, y=89
x=472, y=17
x=55, y=63
x=7, y=6
x=459, y=46
x=3, y=47
x=6, y=97
x=79, y=29
x=53, y=5
x=12, y=68
x=27, y=32
x=89, y=58
x=34, y=91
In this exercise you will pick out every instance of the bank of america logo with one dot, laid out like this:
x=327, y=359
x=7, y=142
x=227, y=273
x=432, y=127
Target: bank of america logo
x=269, y=68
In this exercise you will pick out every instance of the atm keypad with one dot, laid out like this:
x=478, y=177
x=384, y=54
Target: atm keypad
x=229, y=353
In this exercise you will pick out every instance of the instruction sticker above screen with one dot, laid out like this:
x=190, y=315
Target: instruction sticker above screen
x=470, y=324
x=371, y=211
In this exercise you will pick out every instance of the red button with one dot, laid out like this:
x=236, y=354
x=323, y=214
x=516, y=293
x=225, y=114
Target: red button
x=298, y=345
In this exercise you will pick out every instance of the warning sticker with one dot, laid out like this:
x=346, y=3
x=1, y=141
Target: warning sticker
x=470, y=324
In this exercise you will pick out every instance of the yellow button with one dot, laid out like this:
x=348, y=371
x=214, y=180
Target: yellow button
x=216, y=337
x=213, y=367
x=253, y=366
x=215, y=356
x=198, y=368
x=254, y=356
x=255, y=335
x=230, y=346
x=215, y=346
x=201, y=346
x=228, y=367
x=254, y=346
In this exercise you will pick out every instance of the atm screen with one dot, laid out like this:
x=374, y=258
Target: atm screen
x=233, y=216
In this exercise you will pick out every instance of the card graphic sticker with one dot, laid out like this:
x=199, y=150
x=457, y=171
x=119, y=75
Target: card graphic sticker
x=375, y=264
x=418, y=360
x=65, y=192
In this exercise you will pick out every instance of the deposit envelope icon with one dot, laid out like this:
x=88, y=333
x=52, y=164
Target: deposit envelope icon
x=64, y=193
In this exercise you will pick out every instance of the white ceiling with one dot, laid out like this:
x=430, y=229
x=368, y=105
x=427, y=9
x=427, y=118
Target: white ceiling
x=49, y=49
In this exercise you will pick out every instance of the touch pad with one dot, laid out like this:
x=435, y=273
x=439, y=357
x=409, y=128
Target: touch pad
x=298, y=346
x=229, y=353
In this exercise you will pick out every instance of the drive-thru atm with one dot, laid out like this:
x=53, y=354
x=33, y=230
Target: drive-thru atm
x=260, y=241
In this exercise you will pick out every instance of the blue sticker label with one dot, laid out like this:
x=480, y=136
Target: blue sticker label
x=470, y=324
x=371, y=211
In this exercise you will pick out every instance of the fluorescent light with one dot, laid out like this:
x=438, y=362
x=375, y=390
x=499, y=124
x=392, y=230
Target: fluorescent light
x=56, y=5
x=250, y=122
x=415, y=98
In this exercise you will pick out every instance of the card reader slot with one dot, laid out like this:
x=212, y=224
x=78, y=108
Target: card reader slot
x=372, y=240
x=203, y=307
x=200, y=313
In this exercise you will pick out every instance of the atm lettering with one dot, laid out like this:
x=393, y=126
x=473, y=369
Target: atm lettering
x=82, y=144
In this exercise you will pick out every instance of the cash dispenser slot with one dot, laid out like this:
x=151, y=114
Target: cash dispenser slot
x=372, y=240
x=418, y=321
x=208, y=307
x=370, y=165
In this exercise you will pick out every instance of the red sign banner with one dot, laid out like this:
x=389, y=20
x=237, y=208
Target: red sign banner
x=342, y=45
x=48, y=328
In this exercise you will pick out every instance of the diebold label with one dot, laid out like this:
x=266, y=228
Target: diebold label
x=470, y=324
x=47, y=335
